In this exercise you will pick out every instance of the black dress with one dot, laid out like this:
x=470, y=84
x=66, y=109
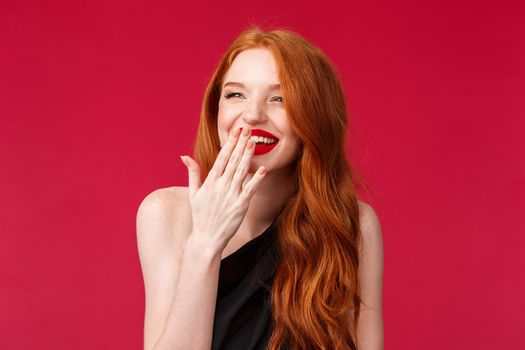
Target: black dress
x=243, y=315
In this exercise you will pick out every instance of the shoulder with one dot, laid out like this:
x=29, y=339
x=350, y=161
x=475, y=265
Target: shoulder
x=370, y=325
x=370, y=229
x=163, y=196
x=162, y=201
x=371, y=256
x=163, y=217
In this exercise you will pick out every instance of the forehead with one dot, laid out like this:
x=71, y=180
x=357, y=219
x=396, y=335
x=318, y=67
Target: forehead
x=253, y=65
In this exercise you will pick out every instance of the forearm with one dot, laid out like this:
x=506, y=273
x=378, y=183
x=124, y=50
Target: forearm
x=190, y=320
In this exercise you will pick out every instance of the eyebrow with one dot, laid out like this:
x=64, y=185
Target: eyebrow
x=236, y=83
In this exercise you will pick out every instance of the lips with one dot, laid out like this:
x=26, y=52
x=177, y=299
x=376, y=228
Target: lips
x=263, y=133
x=262, y=148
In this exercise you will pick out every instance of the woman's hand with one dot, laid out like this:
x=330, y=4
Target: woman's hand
x=219, y=205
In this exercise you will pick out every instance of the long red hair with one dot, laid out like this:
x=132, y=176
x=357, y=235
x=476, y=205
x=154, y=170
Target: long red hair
x=315, y=296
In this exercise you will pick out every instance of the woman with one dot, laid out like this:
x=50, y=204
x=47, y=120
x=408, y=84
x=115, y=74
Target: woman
x=268, y=247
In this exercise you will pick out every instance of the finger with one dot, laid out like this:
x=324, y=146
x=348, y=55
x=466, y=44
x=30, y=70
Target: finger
x=236, y=156
x=194, y=179
x=244, y=166
x=252, y=185
x=224, y=154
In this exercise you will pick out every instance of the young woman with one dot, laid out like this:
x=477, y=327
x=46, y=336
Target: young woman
x=268, y=247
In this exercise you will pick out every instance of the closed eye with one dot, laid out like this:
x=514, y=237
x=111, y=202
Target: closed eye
x=238, y=94
x=233, y=94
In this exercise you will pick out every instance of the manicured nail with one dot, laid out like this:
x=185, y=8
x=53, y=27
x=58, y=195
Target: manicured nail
x=261, y=170
x=237, y=132
x=183, y=160
x=245, y=131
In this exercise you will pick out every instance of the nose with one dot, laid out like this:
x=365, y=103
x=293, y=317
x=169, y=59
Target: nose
x=254, y=113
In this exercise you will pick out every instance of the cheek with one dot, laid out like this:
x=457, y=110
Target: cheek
x=225, y=117
x=294, y=145
x=289, y=134
x=289, y=148
x=225, y=122
x=294, y=148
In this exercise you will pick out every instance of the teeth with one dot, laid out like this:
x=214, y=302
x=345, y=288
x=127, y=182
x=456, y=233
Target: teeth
x=260, y=139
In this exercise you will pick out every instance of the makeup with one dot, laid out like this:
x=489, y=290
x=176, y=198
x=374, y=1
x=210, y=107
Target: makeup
x=264, y=141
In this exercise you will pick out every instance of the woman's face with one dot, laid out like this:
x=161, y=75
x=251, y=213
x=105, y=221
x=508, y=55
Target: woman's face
x=251, y=97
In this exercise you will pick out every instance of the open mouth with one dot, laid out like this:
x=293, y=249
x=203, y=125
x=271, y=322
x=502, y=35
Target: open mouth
x=263, y=137
x=264, y=141
x=263, y=148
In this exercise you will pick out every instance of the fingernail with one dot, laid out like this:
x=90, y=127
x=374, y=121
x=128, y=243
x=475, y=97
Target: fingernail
x=261, y=170
x=237, y=132
x=245, y=131
x=183, y=160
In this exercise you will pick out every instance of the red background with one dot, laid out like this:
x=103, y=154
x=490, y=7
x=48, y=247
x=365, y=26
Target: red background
x=99, y=98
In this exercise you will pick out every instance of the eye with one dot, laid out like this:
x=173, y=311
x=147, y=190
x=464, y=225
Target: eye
x=233, y=94
x=278, y=99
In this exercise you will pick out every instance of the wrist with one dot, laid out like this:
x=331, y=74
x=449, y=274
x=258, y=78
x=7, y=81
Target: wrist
x=202, y=248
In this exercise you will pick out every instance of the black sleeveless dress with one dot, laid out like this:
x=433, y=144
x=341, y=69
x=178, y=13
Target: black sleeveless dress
x=243, y=315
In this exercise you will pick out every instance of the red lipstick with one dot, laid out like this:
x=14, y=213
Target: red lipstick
x=262, y=148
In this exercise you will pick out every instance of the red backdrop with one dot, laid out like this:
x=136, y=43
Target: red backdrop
x=99, y=98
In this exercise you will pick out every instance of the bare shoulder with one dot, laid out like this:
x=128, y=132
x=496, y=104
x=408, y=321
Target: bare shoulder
x=167, y=196
x=163, y=224
x=163, y=217
x=370, y=227
x=165, y=203
x=370, y=325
